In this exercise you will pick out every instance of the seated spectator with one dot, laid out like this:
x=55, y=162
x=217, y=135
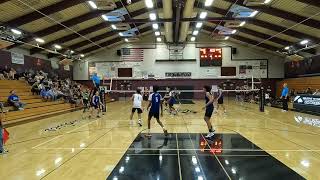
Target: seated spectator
x=12, y=74
x=1, y=107
x=35, y=88
x=6, y=72
x=52, y=94
x=309, y=91
x=14, y=100
x=44, y=94
x=317, y=92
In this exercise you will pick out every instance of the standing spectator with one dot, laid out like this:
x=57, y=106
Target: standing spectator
x=284, y=97
x=14, y=100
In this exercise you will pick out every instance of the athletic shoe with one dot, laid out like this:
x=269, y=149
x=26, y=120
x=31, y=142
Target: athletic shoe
x=165, y=132
x=209, y=135
x=3, y=152
x=140, y=123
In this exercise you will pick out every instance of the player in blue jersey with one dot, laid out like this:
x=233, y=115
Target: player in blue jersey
x=155, y=104
x=95, y=103
x=209, y=109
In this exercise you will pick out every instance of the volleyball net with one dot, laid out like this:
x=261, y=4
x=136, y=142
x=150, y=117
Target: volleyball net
x=233, y=90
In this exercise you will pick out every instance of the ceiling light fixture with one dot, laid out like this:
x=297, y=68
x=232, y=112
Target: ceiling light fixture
x=155, y=26
x=196, y=32
x=226, y=38
x=39, y=40
x=149, y=3
x=242, y=23
x=105, y=17
x=71, y=51
x=198, y=25
x=203, y=15
x=152, y=16
x=126, y=40
x=159, y=39
x=287, y=48
x=208, y=2
x=192, y=38
x=57, y=46
x=120, y=34
x=93, y=4
x=15, y=31
x=82, y=55
x=254, y=13
x=157, y=33
x=234, y=31
x=113, y=26
x=304, y=42
x=267, y=1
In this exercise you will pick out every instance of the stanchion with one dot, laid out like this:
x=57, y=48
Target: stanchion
x=261, y=99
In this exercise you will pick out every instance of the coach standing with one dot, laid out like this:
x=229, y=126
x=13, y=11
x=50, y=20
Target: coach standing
x=284, y=97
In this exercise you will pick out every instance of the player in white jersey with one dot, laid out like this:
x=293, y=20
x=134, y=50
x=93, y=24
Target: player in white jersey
x=137, y=106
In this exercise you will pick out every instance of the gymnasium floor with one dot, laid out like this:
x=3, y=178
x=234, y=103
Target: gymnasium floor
x=248, y=145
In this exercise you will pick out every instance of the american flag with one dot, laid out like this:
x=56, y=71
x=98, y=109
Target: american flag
x=129, y=54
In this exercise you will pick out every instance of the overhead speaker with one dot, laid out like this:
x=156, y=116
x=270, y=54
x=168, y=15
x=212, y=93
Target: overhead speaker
x=119, y=52
x=234, y=50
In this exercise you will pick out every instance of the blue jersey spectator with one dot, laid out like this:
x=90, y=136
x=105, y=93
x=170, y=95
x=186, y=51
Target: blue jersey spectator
x=14, y=100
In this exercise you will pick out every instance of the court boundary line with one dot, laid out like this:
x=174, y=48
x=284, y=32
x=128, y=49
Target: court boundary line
x=216, y=157
x=178, y=153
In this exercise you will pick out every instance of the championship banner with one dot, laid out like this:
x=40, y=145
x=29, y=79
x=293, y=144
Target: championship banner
x=17, y=58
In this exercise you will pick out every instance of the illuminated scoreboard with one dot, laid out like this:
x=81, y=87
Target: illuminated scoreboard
x=210, y=57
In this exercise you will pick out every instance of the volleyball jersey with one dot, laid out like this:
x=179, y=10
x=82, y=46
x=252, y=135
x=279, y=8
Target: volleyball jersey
x=137, y=101
x=155, y=99
x=95, y=100
x=207, y=100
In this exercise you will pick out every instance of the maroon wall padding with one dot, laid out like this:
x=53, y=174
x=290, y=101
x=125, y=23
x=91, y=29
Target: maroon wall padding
x=196, y=83
x=34, y=64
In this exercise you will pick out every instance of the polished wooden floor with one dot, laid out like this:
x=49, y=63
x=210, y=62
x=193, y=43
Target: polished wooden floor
x=90, y=149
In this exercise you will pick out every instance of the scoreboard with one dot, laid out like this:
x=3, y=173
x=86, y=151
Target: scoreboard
x=210, y=57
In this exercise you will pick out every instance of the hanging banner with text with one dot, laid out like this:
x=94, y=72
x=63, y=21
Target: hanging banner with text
x=17, y=58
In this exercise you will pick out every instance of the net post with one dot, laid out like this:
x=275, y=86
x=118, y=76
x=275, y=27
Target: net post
x=261, y=104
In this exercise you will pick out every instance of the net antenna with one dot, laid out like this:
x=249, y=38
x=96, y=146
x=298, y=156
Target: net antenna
x=176, y=51
x=253, y=82
x=107, y=81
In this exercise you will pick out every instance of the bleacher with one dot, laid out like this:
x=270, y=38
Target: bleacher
x=35, y=108
x=300, y=84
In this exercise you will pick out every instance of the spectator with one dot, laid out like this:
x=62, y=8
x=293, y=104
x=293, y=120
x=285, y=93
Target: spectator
x=14, y=100
x=317, y=92
x=52, y=94
x=284, y=97
x=12, y=74
x=44, y=94
x=1, y=107
x=309, y=91
x=6, y=72
x=35, y=88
